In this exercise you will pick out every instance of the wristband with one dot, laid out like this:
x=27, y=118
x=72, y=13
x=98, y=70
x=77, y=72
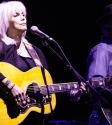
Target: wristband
x=12, y=87
x=7, y=83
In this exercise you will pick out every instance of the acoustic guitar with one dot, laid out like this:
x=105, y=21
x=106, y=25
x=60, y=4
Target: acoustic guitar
x=32, y=83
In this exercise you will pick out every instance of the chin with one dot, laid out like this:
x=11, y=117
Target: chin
x=23, y=29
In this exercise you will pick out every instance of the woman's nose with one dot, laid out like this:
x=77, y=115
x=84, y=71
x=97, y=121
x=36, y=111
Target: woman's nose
x=23, y=17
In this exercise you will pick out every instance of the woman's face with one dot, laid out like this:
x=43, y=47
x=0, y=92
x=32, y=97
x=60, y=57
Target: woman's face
x=18, y=22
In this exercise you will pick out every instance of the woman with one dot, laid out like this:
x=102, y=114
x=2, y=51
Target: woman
x=16, y=50
x=13, y=47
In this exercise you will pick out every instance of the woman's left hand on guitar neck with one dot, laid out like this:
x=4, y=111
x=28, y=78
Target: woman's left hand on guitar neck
x=76, y=94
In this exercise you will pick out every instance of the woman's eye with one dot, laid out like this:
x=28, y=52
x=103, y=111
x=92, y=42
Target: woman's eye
x=23, y=14
x=15, y=15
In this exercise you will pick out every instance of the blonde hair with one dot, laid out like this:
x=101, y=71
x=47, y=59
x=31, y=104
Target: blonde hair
x=7, y=9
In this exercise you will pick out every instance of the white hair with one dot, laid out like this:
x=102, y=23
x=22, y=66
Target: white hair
x=7, y=9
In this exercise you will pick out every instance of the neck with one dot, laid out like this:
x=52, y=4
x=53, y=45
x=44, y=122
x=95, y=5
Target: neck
x=16, y=37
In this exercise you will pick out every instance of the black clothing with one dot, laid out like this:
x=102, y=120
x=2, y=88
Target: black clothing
x=8, y=53
x=24, y=63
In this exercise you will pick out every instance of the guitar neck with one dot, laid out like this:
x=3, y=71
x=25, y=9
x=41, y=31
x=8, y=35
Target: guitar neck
x=60, y=87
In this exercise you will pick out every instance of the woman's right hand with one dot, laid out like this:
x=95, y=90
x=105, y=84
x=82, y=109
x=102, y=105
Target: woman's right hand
x=17, y=92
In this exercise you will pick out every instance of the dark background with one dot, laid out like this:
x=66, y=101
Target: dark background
x=72, y=23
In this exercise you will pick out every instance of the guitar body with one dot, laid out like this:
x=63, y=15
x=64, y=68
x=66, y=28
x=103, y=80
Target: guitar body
x=23, y=80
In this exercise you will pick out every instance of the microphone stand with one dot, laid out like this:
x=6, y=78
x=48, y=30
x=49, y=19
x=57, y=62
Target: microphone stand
x=70, y=67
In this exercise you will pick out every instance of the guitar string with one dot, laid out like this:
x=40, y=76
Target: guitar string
x=31, y=89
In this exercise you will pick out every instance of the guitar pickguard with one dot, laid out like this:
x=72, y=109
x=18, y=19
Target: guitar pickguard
x=33, y=98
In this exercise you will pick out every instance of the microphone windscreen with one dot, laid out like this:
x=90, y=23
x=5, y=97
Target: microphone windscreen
x=34, y=28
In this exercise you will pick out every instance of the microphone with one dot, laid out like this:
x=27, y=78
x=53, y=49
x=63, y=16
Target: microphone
x=35, y=30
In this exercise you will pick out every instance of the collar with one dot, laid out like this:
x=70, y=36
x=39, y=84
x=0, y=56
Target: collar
x=107, y=40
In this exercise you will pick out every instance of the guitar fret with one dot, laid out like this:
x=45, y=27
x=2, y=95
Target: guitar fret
x=52, y=88
x=59, y=87
x=68, y=86
x=75, y=86
x=56, y=88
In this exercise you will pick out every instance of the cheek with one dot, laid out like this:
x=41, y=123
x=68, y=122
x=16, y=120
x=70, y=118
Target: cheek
x=14, y=25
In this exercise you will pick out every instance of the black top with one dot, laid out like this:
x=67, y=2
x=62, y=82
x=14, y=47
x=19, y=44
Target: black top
x=8, y=53
x=24, y=63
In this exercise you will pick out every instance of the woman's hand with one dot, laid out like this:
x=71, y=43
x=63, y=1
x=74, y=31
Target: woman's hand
x=17, y=93
x=83, y=87
x=76, y=93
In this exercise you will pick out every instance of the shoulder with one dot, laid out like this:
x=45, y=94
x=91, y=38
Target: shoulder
x=101, y=48
x=2, y=49
x=38, y=50
x=30, y=45
x=1, y=45
x=41, y=56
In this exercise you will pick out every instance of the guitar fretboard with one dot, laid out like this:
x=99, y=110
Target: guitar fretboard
x=60, y=87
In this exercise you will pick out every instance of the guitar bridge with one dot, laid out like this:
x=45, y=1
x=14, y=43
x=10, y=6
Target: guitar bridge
x=29, y=102
x=26, y=104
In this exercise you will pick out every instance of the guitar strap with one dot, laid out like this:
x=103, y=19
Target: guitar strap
x=37, y=61
x=33, y=54
x=44, y=77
